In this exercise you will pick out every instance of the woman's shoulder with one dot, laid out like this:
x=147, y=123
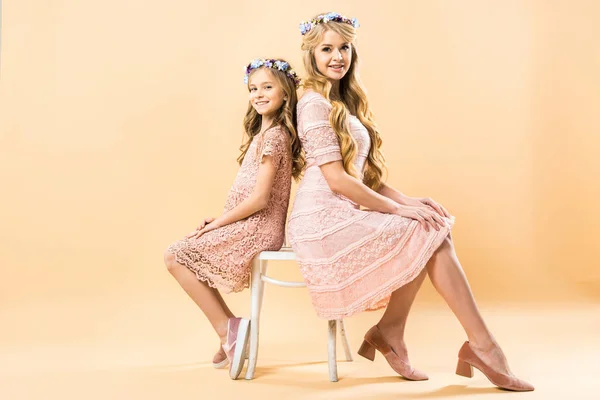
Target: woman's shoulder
x=313, y=98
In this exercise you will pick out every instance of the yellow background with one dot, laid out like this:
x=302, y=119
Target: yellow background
x=120, y=123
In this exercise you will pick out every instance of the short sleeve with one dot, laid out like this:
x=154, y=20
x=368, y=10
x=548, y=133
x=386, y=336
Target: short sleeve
x=317, y=137
x=274, y=145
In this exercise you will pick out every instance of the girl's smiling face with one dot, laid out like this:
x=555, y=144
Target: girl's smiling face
x=266, y=95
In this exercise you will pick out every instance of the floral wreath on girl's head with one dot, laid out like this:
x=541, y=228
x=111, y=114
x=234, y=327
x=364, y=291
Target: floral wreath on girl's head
x=272, y=63
x=305, y=27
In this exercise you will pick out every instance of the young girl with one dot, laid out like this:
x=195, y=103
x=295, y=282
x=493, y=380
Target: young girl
x=355, y=260
x=218, y=254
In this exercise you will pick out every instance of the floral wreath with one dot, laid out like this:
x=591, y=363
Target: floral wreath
x=305, y=27
x=272, y=63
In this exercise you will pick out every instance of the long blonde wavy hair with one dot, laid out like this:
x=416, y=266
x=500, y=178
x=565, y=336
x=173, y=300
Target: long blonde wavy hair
x=286, y=118
x=353, y=100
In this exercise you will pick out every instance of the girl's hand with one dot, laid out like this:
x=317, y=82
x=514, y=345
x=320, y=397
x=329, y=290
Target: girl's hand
x=426, y=216
x=210, y=227
x=204, y=223
x=436, y=206
x=201, y=227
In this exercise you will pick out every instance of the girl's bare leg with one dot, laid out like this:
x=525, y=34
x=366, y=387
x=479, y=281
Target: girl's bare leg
x=208, y=299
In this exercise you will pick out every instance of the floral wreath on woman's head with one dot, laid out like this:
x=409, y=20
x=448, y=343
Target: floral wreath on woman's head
x=305, y=27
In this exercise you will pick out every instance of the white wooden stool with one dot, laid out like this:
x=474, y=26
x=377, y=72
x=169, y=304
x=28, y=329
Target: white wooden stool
x=259, y=277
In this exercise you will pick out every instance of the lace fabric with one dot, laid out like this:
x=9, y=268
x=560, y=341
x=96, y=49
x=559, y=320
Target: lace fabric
x=351, y=259
x=223, y=257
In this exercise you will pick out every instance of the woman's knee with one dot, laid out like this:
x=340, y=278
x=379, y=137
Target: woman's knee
x=447, y=247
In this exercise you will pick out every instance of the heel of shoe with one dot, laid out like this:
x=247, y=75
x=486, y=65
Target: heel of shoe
x=464, y=369
x=367, y=350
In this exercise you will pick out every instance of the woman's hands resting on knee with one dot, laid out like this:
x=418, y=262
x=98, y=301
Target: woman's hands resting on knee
x=426, y=215
x=437, y=207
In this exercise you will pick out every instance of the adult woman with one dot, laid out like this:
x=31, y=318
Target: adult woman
x=355, y=260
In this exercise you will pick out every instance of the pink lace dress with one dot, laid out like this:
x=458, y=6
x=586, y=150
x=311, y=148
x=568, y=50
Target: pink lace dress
x=351, y=259
x=222, y=257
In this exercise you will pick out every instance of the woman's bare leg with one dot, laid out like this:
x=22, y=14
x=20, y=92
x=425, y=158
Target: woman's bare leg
x=393, y=322
x=450, y=281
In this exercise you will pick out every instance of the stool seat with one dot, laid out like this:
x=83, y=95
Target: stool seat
x=286, y=253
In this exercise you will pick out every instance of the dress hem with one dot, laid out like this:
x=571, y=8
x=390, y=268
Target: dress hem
x=207, y=279
x=380, y=298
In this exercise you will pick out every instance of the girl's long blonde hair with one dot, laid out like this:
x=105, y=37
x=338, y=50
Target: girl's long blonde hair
x=353, y=100
x=286, y=118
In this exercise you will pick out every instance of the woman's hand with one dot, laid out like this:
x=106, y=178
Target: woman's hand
x=436, y=206
x=426, y=216
x=202, y=228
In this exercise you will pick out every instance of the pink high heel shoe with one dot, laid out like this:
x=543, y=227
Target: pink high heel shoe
x=467, y=359
x=374, y=340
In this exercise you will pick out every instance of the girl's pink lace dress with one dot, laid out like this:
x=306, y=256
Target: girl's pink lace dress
x=352, y=260
x=222, y=257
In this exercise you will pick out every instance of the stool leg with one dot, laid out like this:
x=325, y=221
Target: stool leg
x=333, y=377
x=263, y=271
x=344, y=339
x=256, y=294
